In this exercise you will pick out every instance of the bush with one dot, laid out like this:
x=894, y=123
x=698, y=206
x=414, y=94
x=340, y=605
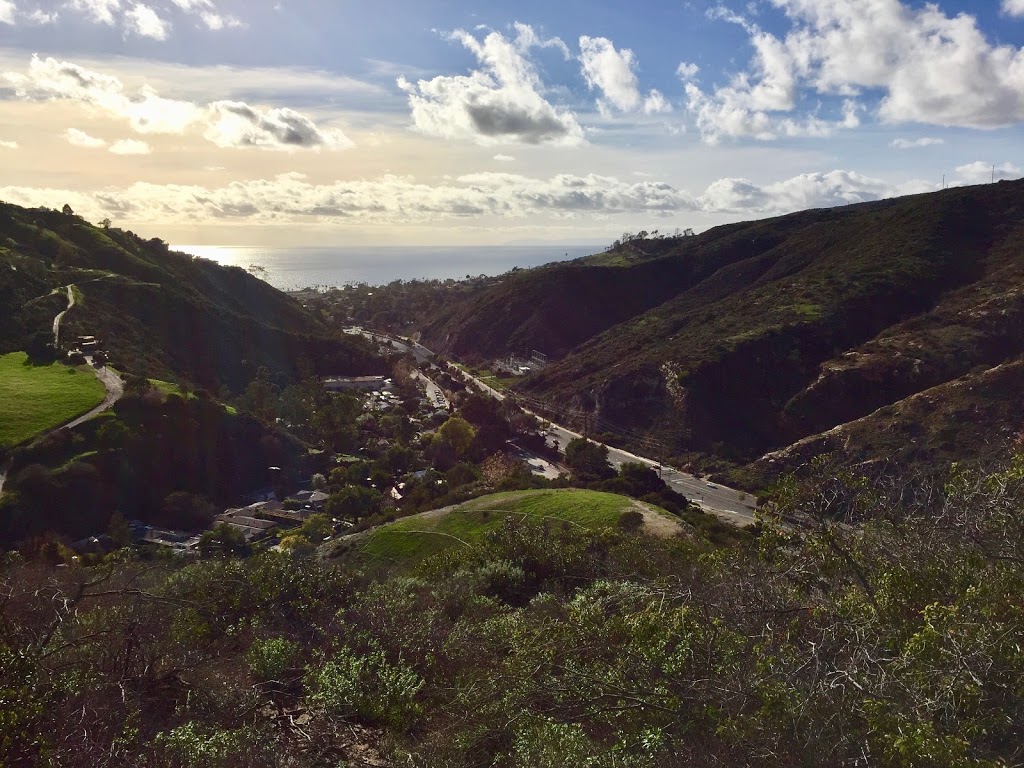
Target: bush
x=364, y=686
x=631, y=521
x=272, y=659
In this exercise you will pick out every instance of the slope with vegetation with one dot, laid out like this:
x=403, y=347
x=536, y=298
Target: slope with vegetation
x=885, y=630
x=160, y=313
x=740, y=341
x=467, y=525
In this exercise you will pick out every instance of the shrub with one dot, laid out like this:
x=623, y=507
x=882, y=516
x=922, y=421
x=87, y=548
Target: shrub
x=272, y=659
x=364, y=686
x=631, y=521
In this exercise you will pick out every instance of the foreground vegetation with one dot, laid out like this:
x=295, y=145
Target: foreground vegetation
x=878, y=627
x=37, y=397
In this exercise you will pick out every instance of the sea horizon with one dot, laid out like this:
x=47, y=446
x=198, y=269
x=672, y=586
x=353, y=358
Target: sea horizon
x=321, y=266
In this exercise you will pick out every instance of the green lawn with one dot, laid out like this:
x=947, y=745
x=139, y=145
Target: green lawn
x=416, y=537
x=35, y=398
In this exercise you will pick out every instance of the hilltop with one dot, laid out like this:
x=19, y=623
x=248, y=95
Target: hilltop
x=748, y=338
x=160, y=313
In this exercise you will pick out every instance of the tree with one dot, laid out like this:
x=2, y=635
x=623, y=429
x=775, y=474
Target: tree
x=105, y=223
x=353, y=501
x=588, y=460
x=459, y=434
x=66, y=210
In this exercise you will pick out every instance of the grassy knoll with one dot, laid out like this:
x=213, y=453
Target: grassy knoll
x=414, y=538
x=35, y=398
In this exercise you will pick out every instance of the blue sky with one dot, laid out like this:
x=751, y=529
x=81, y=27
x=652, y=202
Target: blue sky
x=292, y=122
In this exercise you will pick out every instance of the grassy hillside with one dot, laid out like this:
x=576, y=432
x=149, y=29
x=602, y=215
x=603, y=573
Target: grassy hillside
x=413, y=538
x=753, y=336
x=35, y=398
x=163, y=314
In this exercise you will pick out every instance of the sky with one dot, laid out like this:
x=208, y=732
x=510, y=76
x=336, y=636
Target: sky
x=401, y=122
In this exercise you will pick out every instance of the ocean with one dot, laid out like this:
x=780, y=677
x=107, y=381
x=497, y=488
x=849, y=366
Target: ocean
x=327, y=266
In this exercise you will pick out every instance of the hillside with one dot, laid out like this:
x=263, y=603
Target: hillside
x=753, y=336
x=160, y=313
x=413, y=538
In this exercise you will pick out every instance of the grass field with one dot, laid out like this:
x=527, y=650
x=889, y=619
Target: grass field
x=35, y=398
x=414, y=538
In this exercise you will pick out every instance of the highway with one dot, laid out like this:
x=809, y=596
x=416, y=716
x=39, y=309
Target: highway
x=728, y=504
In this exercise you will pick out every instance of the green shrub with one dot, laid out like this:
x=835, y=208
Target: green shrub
x=364, y=686
x=272, y=659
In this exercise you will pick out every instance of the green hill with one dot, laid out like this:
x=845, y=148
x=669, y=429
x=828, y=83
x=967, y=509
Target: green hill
x=753, y=336
x=466, y=525
x=160, y=313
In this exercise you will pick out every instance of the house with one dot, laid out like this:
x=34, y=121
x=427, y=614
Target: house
x=346, y=383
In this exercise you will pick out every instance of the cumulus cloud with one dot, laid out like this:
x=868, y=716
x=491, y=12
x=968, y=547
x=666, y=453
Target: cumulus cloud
x=225, y=123
x=390, y=199
x=928, y=67
x=143, y=21
x=981, y=172
x=808, y=190
x=1013, y=7
x=77, y=138
x=924, y=141
x=99, y=11
x=236, y=124
x=8, y=145
x=140, y=19
x=130, y=147
x=613, y=73
x=501, y=102
x=7, y=10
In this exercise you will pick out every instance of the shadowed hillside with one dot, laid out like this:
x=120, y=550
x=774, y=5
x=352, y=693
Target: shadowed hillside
x=752, y=336
x=159, y=312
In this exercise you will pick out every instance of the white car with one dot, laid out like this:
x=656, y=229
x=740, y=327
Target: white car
x=711, y=485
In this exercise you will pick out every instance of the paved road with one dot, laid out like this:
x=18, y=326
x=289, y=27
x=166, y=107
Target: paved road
x=60, y=316
x=726, y=503
x=115, y=389
x=434, y=393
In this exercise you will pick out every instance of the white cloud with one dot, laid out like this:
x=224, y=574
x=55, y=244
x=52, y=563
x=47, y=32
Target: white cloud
x=687, y=71
x=928, y=68
x=7, y=10
x=144, y=21
x=236, y=124
x=38, y=16
x=216, y=22
x=808, y=190
x=504, y=158
x=500, y=103
x=78, y=138
x=924, y=141
x=99, y=11
x=130, y=147
x=613, y=73
x=390, y=200
x=225, y=123
x=1013, y=7
x=8, y=145
x=981, y=172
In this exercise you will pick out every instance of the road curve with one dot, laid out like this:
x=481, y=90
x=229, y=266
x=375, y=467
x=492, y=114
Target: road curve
x=115, y=389
x=728, y=504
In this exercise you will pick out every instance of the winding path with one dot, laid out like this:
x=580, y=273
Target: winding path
x=107, y=376
x=60, y=316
